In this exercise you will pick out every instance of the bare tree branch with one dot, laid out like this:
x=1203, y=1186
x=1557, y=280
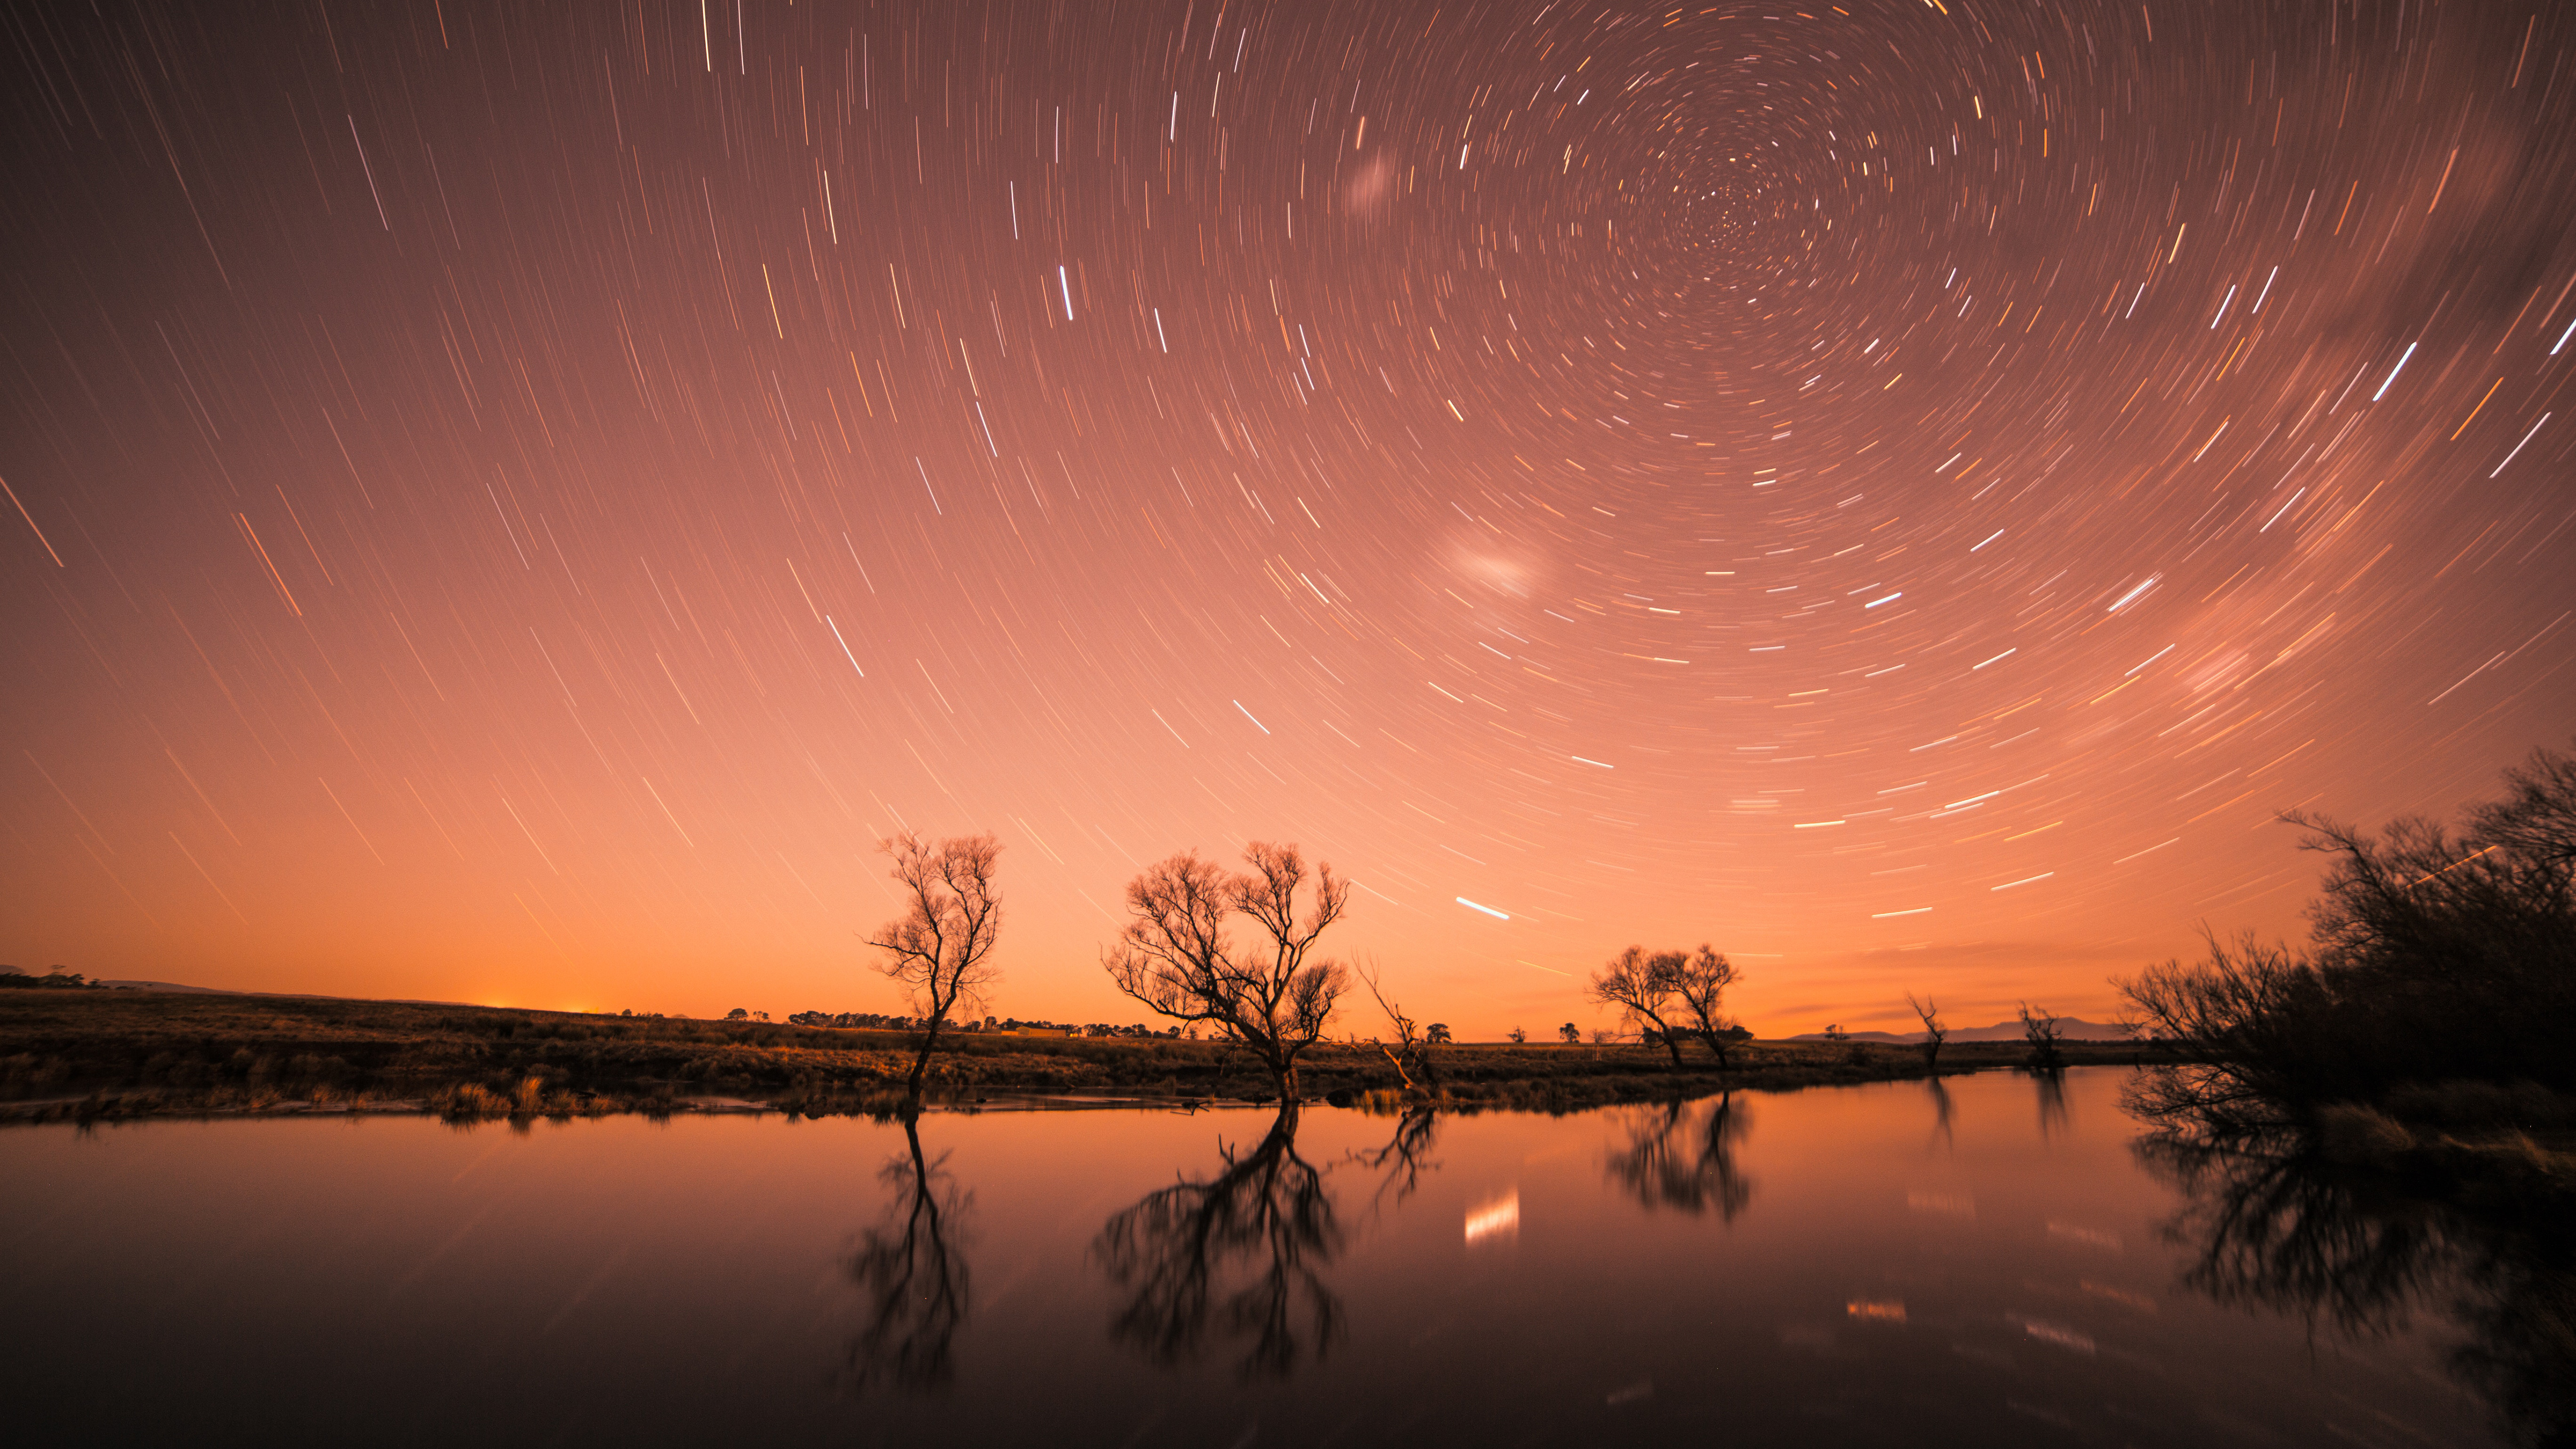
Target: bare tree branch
x=2039, y=1026
x=1412, y=1049
x=1934, y=1032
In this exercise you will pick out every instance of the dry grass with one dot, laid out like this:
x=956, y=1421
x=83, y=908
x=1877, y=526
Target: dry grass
x=125, y=1053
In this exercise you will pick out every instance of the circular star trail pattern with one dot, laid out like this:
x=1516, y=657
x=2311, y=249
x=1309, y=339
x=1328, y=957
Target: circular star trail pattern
x=514, y=502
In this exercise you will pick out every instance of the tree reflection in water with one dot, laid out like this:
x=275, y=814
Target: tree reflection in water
x=2051, y=1086
x=1405, y=1157
x=2272, y=1226
x=1241, y=1253
x=1941, y=1114
x=1679, y=1155
x=912, y=1270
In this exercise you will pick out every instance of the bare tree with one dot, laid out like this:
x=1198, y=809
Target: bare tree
x=1519, y=1036
x=1934, y=1032
x=1701, y=981
x=2039, y=1027
x=937, y=948
x=1411, y=1052
x=1175, y=957
x=1642, y=987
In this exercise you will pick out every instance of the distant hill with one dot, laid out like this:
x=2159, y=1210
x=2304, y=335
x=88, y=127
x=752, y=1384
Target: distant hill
x=2071, y=1028
x=166, y=986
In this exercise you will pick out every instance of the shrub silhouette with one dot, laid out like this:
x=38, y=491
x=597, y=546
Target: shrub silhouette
x=2435, y=957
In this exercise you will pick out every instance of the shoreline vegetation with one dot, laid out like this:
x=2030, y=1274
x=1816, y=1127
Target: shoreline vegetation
x=2385, y=1122
x=2422, y=1033
x=92, y=1056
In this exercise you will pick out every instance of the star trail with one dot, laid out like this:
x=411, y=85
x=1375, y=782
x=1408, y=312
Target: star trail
x=511, y=503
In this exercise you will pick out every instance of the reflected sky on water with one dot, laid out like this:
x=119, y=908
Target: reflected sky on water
x=1986, y=1261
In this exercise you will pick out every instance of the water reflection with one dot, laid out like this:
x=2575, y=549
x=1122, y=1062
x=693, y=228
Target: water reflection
x=2050, y=1084
x=1405, y=1157
x=1941, y=1132
x=649, y=1284
x=2273, y=1227
x=912, y=1270
x=1240, y=1254
x=1682, y=1155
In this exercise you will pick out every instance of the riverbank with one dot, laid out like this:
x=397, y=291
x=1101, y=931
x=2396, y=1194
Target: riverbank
x=110, y=1055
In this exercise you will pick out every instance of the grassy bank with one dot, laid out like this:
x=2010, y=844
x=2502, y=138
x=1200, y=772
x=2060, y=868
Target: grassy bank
x=2473, y=1145
x=94, y=1055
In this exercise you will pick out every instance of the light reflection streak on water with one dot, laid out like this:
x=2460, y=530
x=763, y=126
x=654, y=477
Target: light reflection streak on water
x=1496, y=1219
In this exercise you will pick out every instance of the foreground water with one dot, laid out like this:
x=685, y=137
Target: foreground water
x=1901, y=1264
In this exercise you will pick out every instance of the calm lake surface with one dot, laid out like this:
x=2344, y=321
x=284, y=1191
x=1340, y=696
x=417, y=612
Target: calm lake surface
x=1889, y=1264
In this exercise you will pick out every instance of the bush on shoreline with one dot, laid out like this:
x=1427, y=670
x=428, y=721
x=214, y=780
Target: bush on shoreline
x=2439, y=964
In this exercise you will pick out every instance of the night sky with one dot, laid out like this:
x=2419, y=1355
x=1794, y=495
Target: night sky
x=510, y=503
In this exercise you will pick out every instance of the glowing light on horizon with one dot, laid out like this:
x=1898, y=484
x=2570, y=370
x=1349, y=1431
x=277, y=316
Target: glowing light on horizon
x=493, y=539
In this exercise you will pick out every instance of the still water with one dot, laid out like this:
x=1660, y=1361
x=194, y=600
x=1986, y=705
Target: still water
x=1988, y=1262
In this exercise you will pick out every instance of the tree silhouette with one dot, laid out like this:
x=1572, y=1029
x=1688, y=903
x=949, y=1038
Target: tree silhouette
x=1642, y=987
x=936, y=950
x=1411, y=1053
x=2433, y=956
x=2039, y=1027
x=1701, y=979
x=1175, y=956
x=1934, y=1031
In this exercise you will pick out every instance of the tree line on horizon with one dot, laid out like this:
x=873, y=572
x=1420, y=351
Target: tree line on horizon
x=1176, y=956
x=2435, y=957
x=1272, y=996
x=2438, y=985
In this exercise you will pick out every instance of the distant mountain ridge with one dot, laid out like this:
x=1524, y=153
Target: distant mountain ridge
x=2072, y=1028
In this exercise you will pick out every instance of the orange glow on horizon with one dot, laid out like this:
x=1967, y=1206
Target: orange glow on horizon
x=525, y=532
